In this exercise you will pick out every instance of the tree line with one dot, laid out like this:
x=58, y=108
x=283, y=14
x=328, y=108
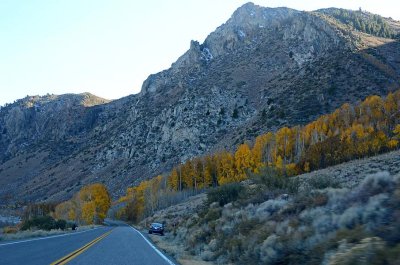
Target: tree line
x=368, y=23
x=352, y=131
x=88, y=206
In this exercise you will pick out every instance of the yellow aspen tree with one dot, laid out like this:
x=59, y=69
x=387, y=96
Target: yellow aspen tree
x=88, y=212
x=210, y=170
x=173, y=180
x=95, y=201
x=243, y=162
x=269, y=152
x=258, y=150
x=285, y=143
x=391, y=107
x=307, y=166
x=392, y=144
x=280, y=164
x=379, y=140
x=347, y=114
x=396, y=131
x=226, y=168
x=140, y=199
x=61, y=210
x=291, y=169
x=152, y=192
x=199, y=173
x=188, y=175
x=374, y=109
x=71, y=214
x=299, y=143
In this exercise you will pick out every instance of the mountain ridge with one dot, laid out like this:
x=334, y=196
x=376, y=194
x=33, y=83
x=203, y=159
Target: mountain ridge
x=254, y=73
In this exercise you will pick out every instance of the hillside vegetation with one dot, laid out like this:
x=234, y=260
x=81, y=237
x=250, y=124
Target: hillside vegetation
x=347, y=214
x=363, y=21
x=350, y=132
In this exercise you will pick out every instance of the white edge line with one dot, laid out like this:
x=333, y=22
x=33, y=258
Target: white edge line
x=48, y=237
x=156, y=249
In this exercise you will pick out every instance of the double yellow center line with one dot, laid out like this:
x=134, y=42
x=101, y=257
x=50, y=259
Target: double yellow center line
x=74, y=254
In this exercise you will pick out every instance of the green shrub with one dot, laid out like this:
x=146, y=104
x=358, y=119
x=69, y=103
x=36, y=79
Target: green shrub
x=246, y=226
x=71, y=225
x=323, y=182
x=235, y=114
x=61, y=224
x=212, y=215
x=224, y=194
x=43, y=223
x=272, y=180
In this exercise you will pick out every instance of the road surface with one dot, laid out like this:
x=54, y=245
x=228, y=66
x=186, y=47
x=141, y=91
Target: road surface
x=106, y=245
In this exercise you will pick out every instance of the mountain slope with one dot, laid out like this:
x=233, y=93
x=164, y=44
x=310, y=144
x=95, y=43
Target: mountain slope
x=262, y=69
x=337, y=207
x=365, y=22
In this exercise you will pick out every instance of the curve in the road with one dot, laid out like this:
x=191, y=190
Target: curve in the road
x=124, y=246
x=74, y=254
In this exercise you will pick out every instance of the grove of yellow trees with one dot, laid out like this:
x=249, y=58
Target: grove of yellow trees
x=350, y=132
x=89, y=206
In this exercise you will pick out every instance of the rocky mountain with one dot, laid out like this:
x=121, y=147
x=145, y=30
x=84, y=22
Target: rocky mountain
x=263, y=69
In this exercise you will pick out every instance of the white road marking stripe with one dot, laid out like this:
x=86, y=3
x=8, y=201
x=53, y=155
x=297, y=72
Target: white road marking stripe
x=48, y=237
x=156, y=249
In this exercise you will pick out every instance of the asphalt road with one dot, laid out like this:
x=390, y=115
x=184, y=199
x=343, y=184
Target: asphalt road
x=123, y=245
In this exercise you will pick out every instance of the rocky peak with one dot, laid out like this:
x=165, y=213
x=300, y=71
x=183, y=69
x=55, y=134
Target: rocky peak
x=197, y=55
x=253, y=15
x=249, y=28
x=245, y=27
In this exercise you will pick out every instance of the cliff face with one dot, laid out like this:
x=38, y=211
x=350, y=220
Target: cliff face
x=264, y=68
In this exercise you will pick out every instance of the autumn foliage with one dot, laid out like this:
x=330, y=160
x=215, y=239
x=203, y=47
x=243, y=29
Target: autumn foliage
x=350, y=132
x=89, y=206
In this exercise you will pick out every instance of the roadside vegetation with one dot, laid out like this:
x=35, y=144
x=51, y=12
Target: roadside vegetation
x=301, y=221
x=351, y=132
x=44, y=223
x=87, y=208
x=16, y=233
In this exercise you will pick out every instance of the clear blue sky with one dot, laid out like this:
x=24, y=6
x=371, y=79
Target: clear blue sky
x=109, y=47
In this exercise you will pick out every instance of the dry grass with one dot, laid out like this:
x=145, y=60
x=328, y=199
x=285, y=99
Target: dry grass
x=31, y=234
x=351, y=173
x=41, y=233
x=177, y=251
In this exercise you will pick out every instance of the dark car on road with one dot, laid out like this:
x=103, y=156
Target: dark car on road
x=156, y=228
